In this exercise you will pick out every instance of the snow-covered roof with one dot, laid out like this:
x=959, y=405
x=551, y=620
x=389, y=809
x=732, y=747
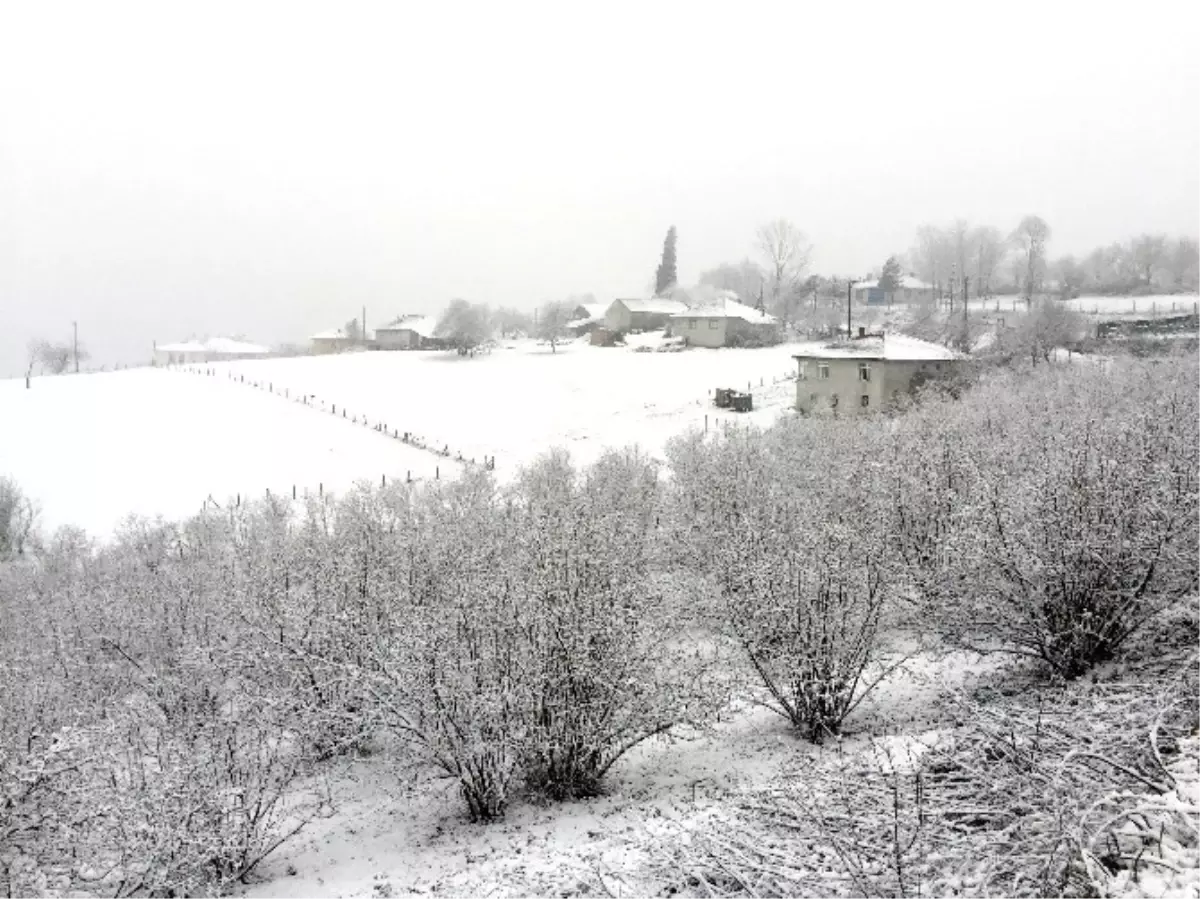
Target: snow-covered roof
x=656, y=305
x=229, y=346
x=418, y=324
x=726, y=307
x=190, y=346
x=223, y=346
x=332, y=334
x=890, y=346
x=908, y=282
x=595, y=311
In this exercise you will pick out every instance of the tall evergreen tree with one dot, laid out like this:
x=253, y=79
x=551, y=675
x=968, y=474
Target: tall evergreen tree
x=666, y=278
x=892, y=277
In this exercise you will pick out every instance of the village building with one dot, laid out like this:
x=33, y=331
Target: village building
x=408, y=332
x=333, y=341
x=641, y=315
x=724, y=322
x=213, y=349
x=910, y=290
x=867, y=373
x=586, y=317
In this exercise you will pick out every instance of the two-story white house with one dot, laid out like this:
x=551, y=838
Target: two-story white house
x=867, y=373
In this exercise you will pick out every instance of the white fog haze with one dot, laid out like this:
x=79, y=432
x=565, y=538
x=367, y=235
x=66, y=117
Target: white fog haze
x=269, y=169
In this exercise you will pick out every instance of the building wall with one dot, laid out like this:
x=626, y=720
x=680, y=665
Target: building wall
x=617, y=318
x=844, y=381
x=397, y=339
x=889, y=379
x=706, y=332
x=329, y=345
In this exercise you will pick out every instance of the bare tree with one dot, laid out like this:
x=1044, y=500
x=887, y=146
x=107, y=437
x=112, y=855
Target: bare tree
x=552, y=321
x=465, y=325
x=1183, y=263
x=931, y=256
x=989, y=249
x=1149, y=252
x=786, y=252
x=745, y=278
x=1030, y=239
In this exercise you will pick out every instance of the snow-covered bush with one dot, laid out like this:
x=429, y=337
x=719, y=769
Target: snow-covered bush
x=1086, y=790
x=606, y=666
x=18, y=516
x=1053, y=514
x=790, y=525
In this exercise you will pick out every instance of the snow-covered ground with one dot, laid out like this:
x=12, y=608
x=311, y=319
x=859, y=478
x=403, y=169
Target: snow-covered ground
x=389, y=839
x=91, y=449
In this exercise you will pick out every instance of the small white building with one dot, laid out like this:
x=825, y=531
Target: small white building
x=213, y=349
x=867, y=373
x=641, y=315
x=724, y=322
x=408, y=332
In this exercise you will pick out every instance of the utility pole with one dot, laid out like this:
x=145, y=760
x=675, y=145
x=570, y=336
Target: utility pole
x=363, y=329
x=849, y=295
x=75, y=344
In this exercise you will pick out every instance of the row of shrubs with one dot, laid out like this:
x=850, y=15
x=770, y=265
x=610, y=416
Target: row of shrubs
x=169, y=696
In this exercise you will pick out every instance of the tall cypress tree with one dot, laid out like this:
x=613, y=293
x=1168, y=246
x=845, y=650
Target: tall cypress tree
x=665, y=277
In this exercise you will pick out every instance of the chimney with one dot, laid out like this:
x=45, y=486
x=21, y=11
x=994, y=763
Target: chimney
x=862, y=331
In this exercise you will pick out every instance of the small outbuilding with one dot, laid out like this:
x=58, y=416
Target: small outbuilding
x=641, y=315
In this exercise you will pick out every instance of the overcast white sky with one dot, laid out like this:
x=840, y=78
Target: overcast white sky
x=169, y=168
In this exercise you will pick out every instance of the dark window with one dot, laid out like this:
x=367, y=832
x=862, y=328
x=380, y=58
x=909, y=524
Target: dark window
x=864, y=401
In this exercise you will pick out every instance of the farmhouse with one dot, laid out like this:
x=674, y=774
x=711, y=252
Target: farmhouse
x=641, y=315
x=724, y=322
x=408, y=332
x=214, y=349
x=333, y=341
x=868, y=372
x=911, y=290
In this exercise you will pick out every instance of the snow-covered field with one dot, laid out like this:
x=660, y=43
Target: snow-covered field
x=521, y=399
x=91, y=449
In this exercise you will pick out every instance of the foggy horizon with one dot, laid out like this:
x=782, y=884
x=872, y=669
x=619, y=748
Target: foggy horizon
x=269, y=172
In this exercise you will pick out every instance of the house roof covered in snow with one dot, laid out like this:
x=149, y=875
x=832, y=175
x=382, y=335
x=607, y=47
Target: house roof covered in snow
x=727, y=307
x=189, y=346
x=595, y=311
x=331, y=334
x=656, y=305
x=220, y=346
x=230, y=346
x=908, y=282
x=897, y=347
x=419, y=324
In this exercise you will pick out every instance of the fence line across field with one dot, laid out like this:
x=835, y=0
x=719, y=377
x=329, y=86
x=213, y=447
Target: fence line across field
x=407, y=437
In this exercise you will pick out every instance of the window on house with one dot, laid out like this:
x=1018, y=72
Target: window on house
x=692, y=323
x=864, y=401
x=823, y=371
x=802, y=372
x=864, y=372
x=712, y=324
x=938, y=366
